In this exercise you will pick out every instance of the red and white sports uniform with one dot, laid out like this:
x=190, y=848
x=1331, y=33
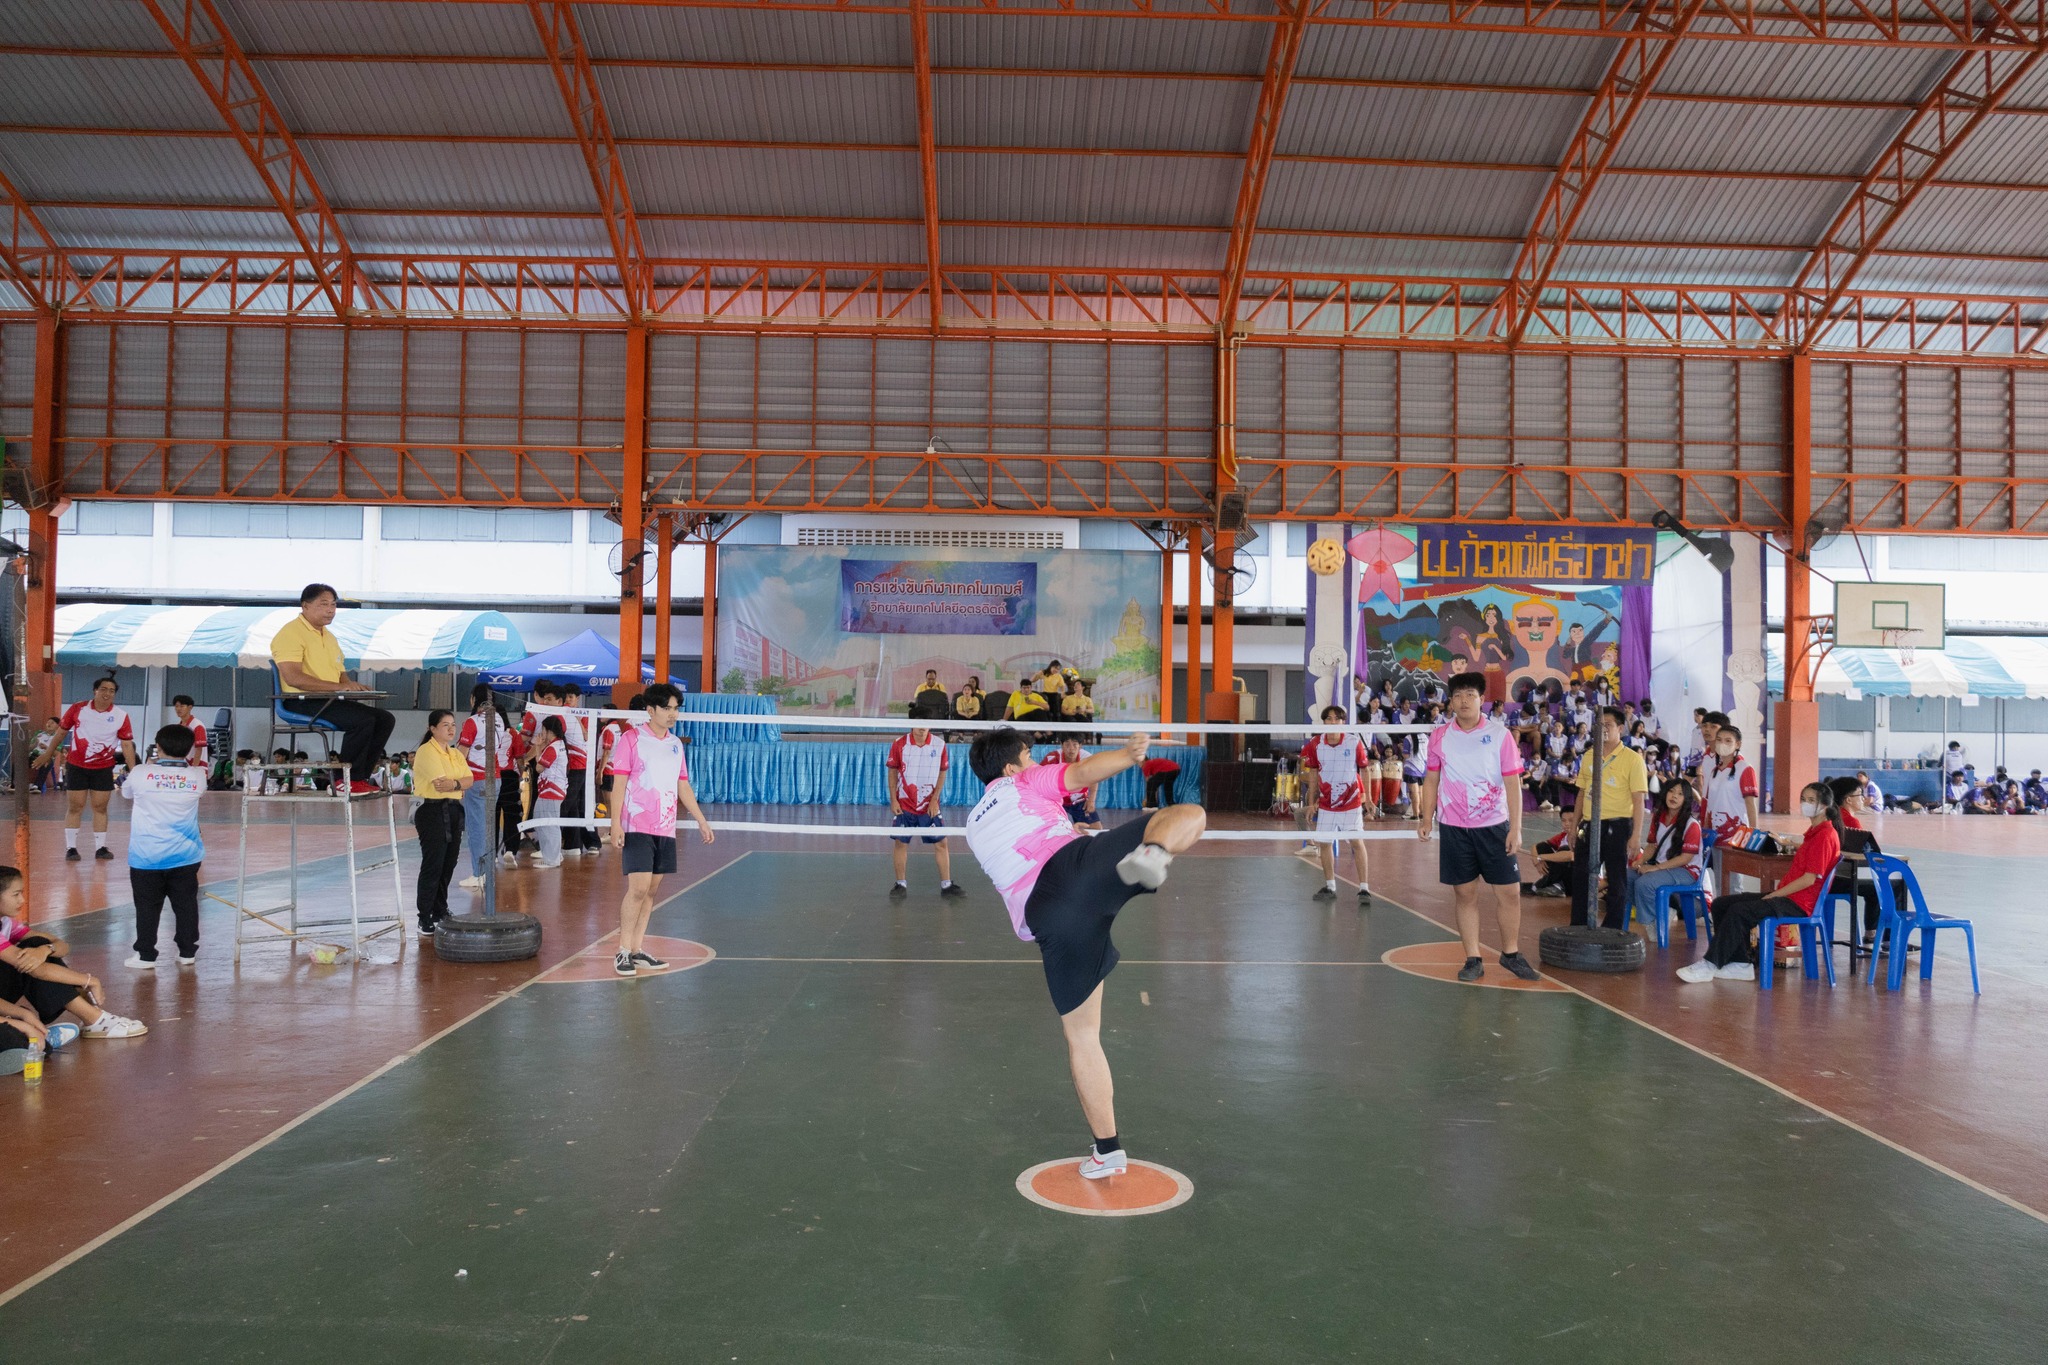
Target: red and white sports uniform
x=1728, y=784
x=554, y=772
x=917, y=772
x=1666, y=844
x=607, y=738
x=471, y=742
x=579, y=755
x=198, y=755
x=95, y=735
x=1341, y=773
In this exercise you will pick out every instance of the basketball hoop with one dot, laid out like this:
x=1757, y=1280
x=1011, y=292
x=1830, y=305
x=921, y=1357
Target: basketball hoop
x=1904, y=641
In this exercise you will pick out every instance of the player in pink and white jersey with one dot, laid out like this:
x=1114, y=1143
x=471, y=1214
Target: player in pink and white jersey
x=916, y=773
x=1473, y=784
x=1063, y=890
x=650, y=780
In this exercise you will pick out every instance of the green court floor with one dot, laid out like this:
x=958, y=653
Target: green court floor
x=806, y=1151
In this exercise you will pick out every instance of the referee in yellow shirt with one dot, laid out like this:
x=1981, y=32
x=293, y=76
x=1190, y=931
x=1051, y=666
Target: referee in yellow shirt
x=308, y=659
x=1624, y=787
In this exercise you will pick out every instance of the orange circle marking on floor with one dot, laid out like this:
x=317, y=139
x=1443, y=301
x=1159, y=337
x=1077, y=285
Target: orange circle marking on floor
x=595, y=962
x=1145, y=1188
x=1441, y=961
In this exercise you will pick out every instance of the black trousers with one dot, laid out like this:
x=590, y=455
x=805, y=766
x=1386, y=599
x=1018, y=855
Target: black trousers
x=1613, y=855
x=509, y=811
x=1866, y=892
x=364, y=731
x=1159, y=789
x=574, y=807
x=439, y=825
x=46, y=998
x=1735, y=916
x=151, y=886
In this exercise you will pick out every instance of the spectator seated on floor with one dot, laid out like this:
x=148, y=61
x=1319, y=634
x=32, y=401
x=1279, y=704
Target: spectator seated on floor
x=1873, y=795
x=2034, y=792
x=33, y=973
x=1957, y=793
x=1984, y=799
x=1553, y=866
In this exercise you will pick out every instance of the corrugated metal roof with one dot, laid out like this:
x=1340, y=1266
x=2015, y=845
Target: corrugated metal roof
x=1427, y=125
x=1991, y=222
x=1096, y=44
x=103, y=92
x=727, y=240
x=1083, y=188
x=1757, y=137
x=1010, y=111
x=169, y=229
x=1657, y=207
x=1719, y=266
x=799, y=184
x=657, y=33
x=378, y=234
x=1457, y=58
x=2011, y=150
x=426, y=29
x=1061, y=248
x=1803, y=71
x=156, y=170
x=409, y=97
x=451, y=175
x=84, y=23
x=1932, y=275
x=762, y=106
x=1371, y=256
x=1395, y=199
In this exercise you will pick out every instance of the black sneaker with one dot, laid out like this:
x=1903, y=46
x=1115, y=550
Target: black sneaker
x=622, y=965
x=1324, y=893
x=71, y=855
x=649, y=961
x=952, y=889
x=1365, y=895
x=426, y=931
x=897, y=891
x=105, y=855
x=1472, y=970
x=1519, y=965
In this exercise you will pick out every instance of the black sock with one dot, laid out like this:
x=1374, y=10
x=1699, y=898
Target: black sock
x=1104, y=1146
x=1472, y=962
x=1509, y=957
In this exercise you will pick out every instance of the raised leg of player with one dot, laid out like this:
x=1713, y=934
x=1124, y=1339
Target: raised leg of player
x=1176, y=828
x=1092, y=1084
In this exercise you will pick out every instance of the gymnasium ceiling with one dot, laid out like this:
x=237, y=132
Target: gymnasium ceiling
x=1790, y=174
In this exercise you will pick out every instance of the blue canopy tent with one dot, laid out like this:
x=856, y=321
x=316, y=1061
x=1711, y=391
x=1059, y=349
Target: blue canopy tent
x=588, y=660
x=97, y=635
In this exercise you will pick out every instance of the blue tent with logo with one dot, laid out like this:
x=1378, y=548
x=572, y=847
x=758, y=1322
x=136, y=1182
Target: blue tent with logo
x=588, y=660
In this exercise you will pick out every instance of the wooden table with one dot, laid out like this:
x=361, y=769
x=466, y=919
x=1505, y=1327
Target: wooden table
x=1767, y=868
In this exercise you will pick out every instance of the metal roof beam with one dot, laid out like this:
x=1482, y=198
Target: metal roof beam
x=197, y=34
x=30, y=257
x=570, y=61
x=1619, y=98
x=1281, y=56
x=927, y=154
x=1973, y=87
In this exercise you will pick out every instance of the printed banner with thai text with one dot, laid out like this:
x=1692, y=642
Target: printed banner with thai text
x=937, y=597
x=1455, y=552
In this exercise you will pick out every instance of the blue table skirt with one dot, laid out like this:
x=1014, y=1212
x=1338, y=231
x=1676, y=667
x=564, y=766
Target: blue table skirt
x=852, y=774
x=745, y=703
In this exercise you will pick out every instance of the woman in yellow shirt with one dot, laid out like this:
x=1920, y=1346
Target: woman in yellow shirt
x=440, y=775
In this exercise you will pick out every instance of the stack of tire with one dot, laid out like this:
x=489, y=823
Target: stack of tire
x=487, y=938
x=1590, y=948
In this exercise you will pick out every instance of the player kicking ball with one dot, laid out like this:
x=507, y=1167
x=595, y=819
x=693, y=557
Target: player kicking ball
x=650, y=780
x=1063, y=890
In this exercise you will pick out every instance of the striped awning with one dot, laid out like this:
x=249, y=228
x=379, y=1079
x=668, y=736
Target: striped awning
x=98, y=636
x=1970, y=666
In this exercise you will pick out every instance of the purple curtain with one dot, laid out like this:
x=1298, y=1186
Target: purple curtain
x=1635, y=642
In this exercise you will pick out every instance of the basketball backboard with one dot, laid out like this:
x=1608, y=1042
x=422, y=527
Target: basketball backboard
x=1872, y=615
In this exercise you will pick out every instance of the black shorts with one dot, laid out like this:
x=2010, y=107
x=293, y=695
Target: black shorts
x=908, y=819
x=654, y=853
x=1071, y=908
x=1465, y=855
x=88, y=779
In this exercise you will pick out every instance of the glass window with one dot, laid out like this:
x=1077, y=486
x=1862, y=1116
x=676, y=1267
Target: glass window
x=483, y=524
x=266, y=521
x=111, y=518
x=1297, y=539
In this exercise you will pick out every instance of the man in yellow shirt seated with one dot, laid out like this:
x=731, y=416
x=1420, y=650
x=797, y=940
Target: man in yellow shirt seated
x=308, y=660
x=1026, y=703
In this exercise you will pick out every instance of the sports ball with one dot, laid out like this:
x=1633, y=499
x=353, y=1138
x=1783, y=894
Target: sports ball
x=1326, y=556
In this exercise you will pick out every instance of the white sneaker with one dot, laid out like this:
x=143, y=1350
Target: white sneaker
x=1095, y=1167
x=471, y=883
x=1144, y=866
x=188, y=961
x=547, y=862
x=115, y=1026
x=1697, y=973
x=1737, y=971
x=140, y=963
x=508, y=860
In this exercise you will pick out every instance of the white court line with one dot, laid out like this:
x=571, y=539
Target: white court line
x=85, y=1249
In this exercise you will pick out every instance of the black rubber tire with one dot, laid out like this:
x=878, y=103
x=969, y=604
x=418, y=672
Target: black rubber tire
x=1589, y=948
x=487, y=938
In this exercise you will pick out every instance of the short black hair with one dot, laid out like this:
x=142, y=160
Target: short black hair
x=572, y=688
x=546, y=687
x=312, y=592
x=182, y=700
x=553, y=725
x=1615, y=714
x=1466, y=682
x=1719, y=718
x=1732, y=731
x=1330, y=708
x=995, y=750
x=661, y=694
x=638, y=702
x=174, y=741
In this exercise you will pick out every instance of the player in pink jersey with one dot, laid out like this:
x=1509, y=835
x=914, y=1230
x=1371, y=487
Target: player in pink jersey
x=916, y=773
x=1473, y=782
x=1342, y=768
x=651, y=780
x=1063, y=890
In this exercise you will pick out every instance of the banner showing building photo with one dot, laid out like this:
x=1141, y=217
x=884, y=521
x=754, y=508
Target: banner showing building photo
x=1518, y=638
x=840, y=630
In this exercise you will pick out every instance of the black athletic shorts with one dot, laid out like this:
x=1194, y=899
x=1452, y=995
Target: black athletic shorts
x=1465, y=855
x=88, y=779
x=654, y=853
x=1072, y=907
x=910, y=819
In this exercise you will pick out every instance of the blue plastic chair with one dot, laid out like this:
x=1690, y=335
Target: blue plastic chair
x=1895, y=927
x=1816, y=938
x=1690, y=901
x=289, y=723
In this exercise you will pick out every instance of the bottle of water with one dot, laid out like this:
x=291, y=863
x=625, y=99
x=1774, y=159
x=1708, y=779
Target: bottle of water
x=32, y=1071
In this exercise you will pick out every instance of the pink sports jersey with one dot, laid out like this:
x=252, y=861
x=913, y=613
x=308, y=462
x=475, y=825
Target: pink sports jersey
x=916, y=771
x=1019, y=823
x=95, y=735
x=1727, y=785
x=1474, y=766
x=1337, y=767
x=554, y=771
x=471, y=742
x=653, y=767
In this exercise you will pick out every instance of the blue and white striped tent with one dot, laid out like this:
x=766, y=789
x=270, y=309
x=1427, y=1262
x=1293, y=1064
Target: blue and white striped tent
x=100, y=636
x=1970, y=666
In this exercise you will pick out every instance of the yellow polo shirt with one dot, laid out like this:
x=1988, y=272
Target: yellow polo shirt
x=1624, y=781
x=435, y=759
x=311, y=648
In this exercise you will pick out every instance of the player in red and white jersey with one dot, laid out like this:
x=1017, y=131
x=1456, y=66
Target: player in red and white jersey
x=91, y=735
x=575, y=804
x=550, y=784
x=1340, y=764
x=499, y=826
x=1731, y=782
x=182, y=705
x=916, y=774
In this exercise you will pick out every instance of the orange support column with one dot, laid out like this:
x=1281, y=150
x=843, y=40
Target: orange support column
x=708, y=669
x=1222, y=704
x=39, y=627
x=632, y=516
x=1194, y=661
x=1795, y=757
x=664, y=543
x=1166, y=632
